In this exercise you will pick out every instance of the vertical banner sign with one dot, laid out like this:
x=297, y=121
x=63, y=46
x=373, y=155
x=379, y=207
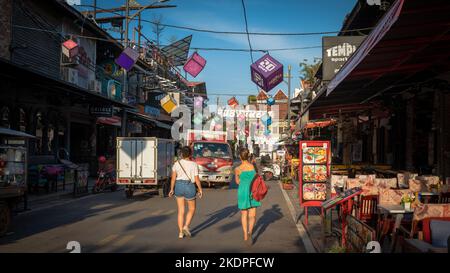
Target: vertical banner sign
x=314, y=170
x=194, y=65
x=335, y=52
x=267, y=72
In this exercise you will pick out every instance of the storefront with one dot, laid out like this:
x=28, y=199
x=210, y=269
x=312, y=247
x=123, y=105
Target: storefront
x=389, y=98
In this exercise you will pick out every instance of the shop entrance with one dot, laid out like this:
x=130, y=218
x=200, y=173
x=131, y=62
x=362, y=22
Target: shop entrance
x=80, y=144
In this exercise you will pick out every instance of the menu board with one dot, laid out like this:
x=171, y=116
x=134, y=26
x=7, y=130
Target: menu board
x=341, y=197
x=314, y=171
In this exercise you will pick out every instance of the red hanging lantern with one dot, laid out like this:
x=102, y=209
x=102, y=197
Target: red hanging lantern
x=70, y=48
x=233, y=102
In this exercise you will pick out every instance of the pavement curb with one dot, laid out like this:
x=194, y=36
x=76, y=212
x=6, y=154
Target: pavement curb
x=304, y=235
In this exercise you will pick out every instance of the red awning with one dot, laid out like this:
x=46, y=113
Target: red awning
x=113, y=121
x=409, y=46
x=319, y=123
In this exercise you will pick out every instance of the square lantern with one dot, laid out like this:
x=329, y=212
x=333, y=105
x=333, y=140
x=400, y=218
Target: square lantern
x=70, y=48
x=267, y=132
x=270, y=101
x=267, y=72
x=127, y=58
x=198, y=118
x=266, y=120
x=233, y=102
x=194, y=65
x=198, y=102
x=168, y=104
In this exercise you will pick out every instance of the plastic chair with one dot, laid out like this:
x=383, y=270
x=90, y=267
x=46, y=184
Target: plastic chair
x=367, y=209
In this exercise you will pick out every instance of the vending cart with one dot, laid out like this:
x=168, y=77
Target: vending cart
x=314, y=171
x=13, y=174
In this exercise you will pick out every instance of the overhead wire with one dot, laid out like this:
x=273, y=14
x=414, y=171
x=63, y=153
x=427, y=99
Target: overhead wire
x=238, y=32
x=246, y=30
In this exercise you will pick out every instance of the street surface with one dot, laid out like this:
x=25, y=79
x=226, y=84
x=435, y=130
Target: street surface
x=109, y=222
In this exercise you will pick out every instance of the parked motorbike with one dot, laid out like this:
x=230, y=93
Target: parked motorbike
x=272, y=171
x=106, y=178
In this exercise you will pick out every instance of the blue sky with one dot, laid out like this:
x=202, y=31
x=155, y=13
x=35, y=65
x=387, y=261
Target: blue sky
x=228, y=73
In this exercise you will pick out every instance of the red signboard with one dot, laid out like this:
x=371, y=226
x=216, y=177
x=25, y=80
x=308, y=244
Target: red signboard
x=314, y=171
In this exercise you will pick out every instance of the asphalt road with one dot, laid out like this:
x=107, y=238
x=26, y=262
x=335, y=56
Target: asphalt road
x=109, y=222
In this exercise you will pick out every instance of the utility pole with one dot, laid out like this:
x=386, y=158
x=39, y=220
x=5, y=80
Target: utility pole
x=288, y=76
x=125, y=74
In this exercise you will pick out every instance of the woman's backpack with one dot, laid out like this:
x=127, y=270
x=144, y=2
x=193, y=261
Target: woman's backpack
x=258, y=188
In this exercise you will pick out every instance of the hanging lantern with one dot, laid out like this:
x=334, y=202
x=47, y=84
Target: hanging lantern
x=267, y=132
x=194, y=65
x=233, y=102
x=266, y=120
x=270, y=101
x=168, y=104
x=70, y=48
x=198, y=102
x=267, y=72
x=127, y=58
x=198, y=118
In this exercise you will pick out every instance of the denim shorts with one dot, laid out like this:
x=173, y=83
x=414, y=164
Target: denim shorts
x=185, y=189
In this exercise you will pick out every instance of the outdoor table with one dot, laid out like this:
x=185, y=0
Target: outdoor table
x=427, y=196
x=399, y=212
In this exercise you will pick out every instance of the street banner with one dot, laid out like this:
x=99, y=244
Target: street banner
x=267, y=72
x=335, y=52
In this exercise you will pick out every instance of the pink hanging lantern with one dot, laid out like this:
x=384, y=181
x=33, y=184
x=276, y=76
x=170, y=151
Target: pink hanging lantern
x=70, y=48
x=194, y=65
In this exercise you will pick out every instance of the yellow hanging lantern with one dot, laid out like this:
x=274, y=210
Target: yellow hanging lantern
x=168, y=104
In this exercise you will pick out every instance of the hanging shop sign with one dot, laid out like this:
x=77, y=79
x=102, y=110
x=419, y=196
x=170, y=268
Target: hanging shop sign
x=336, y=51
x=267, y=72
x=101, y=110
x=194, y=65
x=249, y=114
x=127, y=58
x=152, y=110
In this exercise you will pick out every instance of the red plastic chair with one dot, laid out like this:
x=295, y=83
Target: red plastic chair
x=367, y=209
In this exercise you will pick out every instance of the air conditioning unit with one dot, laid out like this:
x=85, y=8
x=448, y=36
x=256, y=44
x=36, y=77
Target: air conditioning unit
x=95, y=85
x=69, y=75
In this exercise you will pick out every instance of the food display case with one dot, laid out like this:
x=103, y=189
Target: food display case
x=313, y=173
x=12, y=165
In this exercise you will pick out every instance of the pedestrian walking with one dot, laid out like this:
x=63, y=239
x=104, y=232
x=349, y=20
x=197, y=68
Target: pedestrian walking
x=244, y=175
x=182, y=186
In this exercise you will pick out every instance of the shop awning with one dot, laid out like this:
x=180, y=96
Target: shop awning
x=14, y=133
x=319, y=123
x=113, y=121
x=409, y=46
x=150, y=120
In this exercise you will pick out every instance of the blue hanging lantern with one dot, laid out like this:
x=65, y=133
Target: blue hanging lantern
x=198, y=118
x=270, y=101
x=266, y=120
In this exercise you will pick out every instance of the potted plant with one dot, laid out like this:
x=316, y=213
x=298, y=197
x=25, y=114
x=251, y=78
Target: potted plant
x=407, y=199
x=287, y=183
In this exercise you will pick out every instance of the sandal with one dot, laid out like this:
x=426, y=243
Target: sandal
x=187, y=232
x=180, y=235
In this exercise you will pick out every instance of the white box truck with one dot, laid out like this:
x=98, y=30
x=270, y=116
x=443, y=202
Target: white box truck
x=144, y=163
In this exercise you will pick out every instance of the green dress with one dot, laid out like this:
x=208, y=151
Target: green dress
x=245, y=201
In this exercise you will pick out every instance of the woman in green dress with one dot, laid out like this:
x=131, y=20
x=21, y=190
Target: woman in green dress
x=244, y=175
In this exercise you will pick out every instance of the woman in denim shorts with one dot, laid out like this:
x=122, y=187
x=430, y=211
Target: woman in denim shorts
x=182, y=185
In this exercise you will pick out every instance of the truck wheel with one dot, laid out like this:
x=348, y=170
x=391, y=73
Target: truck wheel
x=129, y=192
x=5, y=218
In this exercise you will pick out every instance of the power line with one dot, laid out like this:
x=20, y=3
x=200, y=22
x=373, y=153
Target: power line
x=246, y=30
x=194, y=48
x=240, y=32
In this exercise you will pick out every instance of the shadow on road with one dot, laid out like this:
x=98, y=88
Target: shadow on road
x=216, y=217
x=268, y=217
x=63, y=214
x=148, y=222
